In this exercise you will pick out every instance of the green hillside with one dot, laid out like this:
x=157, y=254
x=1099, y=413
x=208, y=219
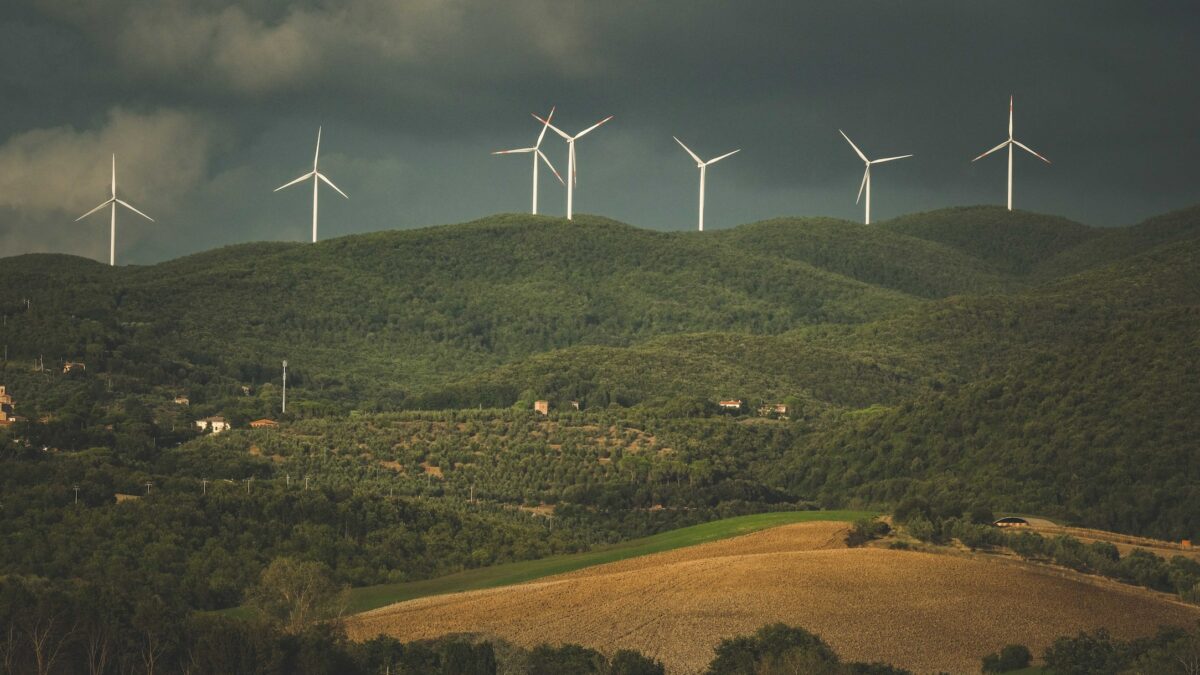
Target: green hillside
x=1119, y=243
x=1014, y=242
x=876, y=255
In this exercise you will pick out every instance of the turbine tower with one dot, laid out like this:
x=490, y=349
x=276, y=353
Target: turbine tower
x=537, y=152
x=702, y=165
x=571, y=175
x=866, y=181
x=316, y=177
x=1010, y=143
x=112, y=202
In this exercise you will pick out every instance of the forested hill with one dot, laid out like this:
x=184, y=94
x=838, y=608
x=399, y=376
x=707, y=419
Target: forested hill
x=420, y=317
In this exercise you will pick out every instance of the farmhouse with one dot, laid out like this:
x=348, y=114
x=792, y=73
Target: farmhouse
x=182, y=400
x=731, y=404
x=6, y=407
x=264, y=424
x=213, y=424
x=73, y=366
x=542, y=407
x=768, y=409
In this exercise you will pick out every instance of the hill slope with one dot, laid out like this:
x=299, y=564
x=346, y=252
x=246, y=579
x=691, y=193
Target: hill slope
x=922, y=611
x=1014, y=242
x=373, y=316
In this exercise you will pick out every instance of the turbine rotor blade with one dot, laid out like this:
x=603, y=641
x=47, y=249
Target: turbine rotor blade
x=717, y=159
x=699, y=162
x=1026, y=148
x=510, y=152
x=856, y=150
x=863, y=184
x=114, y=175
x=1010, y=116
x=544, y=127
x=304, y=177
x=589, y=129
x=547, y=161
x=317, y=155
x=330, y=184
x=130, y=207
x=106, y=203
x=888, y=159
x=991, y=151
x=553, y=128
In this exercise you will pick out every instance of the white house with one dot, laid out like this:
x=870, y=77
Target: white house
x=213, y=424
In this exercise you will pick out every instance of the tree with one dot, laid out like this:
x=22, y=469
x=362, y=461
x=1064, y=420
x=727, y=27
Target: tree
x=629, y=662
x=296, y=594
x=1010, y=657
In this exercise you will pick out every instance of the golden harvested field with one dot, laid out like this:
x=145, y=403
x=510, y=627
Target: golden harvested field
x=922, y=611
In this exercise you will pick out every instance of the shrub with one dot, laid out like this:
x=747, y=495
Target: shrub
x=865, y=530
x=1085, y=654
x=922, y=529
x=628, y=662
x=548, y=660
x=1010, y=657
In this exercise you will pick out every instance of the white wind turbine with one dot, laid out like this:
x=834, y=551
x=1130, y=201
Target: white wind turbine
x=571, y=175
x=702, y=165
x=316, y=177
x=537, y=152
x=1010, y=143
x=866, y=181
x=112, y=202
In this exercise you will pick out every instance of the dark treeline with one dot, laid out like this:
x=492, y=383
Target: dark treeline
x=70, y=627
x=943, y=521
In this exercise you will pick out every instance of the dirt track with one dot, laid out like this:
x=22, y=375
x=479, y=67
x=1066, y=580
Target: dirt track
x=922, y=611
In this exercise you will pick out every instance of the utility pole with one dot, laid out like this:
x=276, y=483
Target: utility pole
x=472, y=500
x=289, y=479
x=284, y=411
x=149, y=484
x=76, y=495
x=248, y=484
x=306, y=483
x=204, y=486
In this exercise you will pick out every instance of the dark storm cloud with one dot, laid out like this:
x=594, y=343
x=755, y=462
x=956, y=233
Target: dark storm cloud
x=216, y=104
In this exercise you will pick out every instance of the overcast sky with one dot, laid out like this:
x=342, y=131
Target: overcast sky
x=211, y=104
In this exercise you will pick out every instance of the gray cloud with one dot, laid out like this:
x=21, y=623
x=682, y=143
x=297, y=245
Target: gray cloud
x=256, y=48
x=413, y=95
x=49, y=177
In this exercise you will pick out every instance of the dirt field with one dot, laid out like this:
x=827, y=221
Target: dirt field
x=922, y=611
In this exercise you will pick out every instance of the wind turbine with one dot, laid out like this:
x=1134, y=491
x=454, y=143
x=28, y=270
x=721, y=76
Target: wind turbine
x=1010, y=143
x=112, y=202
x=702, y=165
x=866, y=181
x=317, y=177
x=571, y=158
x=537, y=152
